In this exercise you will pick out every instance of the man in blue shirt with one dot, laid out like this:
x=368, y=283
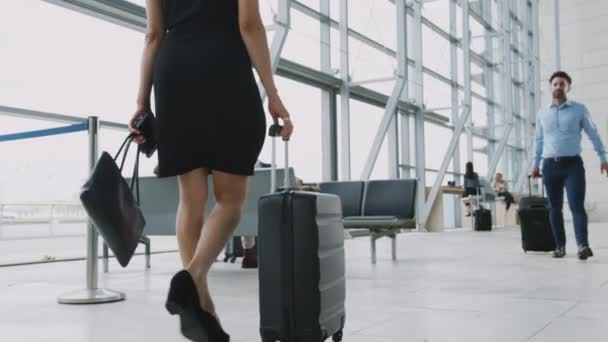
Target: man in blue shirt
x=558, y=143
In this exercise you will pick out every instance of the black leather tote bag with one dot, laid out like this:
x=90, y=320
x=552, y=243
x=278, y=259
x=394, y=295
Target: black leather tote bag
x=109, y=202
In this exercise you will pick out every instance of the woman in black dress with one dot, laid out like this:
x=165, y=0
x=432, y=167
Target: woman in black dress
x=198, y=55
x=471, y=184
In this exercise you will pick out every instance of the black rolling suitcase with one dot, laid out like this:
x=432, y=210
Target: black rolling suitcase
x=482, y=216
x=536, y=233
x=301, y=266
x=533, y=201
x=483, y=219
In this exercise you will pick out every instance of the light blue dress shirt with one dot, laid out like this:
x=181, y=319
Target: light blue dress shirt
x=559, y=132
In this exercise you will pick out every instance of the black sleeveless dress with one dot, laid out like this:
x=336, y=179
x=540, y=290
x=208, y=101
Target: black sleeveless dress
x=208, y=106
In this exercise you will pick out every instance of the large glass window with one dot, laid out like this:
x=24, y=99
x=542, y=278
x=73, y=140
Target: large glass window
x=80, y=65
x=92, y=70
x=303, y=44
x=364, y=122
x=479, y=112
x=368, y=63
x=436, y=142
x=374, y=19
x=305, y=147
x=437, y=95
x=435, y=52
x=438, y=12
x=76, y=65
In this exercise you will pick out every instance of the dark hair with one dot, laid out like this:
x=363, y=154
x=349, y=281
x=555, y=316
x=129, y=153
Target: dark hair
x=561, y=74
x=470, y=172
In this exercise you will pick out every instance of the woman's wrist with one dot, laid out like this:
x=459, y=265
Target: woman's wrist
x=143, y=103
x=273, y=94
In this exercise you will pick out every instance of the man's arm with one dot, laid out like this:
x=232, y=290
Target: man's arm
x=591, y=130
x=539, y=139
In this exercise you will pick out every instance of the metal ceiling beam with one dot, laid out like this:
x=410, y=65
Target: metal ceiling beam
x=313, y=77
x=120, y=12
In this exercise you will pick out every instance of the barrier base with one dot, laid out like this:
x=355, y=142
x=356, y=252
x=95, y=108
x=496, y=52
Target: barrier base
x=91, y=296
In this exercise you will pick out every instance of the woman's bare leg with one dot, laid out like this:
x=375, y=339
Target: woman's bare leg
x=230, y=192
x=191, y=212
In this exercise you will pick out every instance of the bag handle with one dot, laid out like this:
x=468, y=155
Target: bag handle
x=135, y=178
x=128, y=140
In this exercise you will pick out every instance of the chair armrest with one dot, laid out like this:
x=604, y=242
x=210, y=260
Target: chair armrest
x=378, y=222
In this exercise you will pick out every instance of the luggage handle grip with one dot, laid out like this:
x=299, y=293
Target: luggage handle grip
x=274, y=131
x=530, y=185
x=481, y=196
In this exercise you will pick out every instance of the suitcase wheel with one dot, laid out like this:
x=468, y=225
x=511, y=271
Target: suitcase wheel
x=337, y=336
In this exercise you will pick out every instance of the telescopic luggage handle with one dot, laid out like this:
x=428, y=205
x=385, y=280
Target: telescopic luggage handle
x=530, y=185
x=274, y=131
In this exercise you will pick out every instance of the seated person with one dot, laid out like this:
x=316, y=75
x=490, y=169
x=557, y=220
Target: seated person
x=300, y=185
x=471, y=185
x=501, y=188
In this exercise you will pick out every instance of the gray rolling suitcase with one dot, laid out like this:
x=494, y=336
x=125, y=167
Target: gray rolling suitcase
x=301, y=266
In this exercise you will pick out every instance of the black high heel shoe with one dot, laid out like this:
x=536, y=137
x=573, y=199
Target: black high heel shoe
x=216, y=333
x=196, y=324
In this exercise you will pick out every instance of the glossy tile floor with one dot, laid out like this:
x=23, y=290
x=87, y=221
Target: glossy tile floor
x=452, y=286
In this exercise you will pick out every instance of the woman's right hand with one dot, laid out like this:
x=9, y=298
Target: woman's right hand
x=278, y=111
x=138, y=138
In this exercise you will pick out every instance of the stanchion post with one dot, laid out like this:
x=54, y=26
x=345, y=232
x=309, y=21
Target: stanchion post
x=92, y=294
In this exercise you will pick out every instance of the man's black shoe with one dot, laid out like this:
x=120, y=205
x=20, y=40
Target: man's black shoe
x=559, y=252
x=584, y=253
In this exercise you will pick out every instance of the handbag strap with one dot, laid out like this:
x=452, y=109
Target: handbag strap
x=135, y=178
x=128, y=140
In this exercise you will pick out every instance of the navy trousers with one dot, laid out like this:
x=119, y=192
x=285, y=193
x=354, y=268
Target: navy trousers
x=568, y=173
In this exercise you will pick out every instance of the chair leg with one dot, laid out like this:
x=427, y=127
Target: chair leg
x=373, y=248
x=148, y=256
x=106, y=263
x=146, y=241
x=394, y=246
